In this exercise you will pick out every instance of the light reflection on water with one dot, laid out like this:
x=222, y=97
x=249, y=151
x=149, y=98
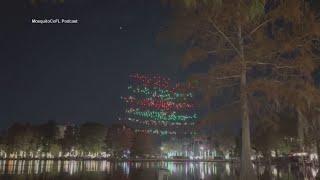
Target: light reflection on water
x=55, y=169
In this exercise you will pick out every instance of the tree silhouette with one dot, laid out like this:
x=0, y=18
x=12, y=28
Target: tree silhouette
x=92, y=137
x=119, y=139
x=143, y=144
x=257, y=48
x=70, y=139
x=22, y=137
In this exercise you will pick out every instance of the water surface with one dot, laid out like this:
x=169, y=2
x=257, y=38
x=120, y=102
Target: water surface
x=63, y=170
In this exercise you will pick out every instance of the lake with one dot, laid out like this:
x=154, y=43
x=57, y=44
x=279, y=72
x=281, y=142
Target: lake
x=63, y=170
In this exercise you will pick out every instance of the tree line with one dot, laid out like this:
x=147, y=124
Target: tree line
x=49, y=140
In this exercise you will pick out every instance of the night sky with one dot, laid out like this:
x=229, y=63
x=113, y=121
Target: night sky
x=73, y=73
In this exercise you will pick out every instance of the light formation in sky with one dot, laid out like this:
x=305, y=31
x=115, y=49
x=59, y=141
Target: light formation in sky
x=157, y=105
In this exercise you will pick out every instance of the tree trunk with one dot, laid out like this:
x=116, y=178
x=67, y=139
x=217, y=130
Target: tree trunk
x=318, y=153
x=267, y=161
x=246, y=172
x=300, y=129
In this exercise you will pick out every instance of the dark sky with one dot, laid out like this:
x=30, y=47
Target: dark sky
x=76, y=73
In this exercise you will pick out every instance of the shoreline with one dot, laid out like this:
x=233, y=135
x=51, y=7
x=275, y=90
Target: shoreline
x=120, y=160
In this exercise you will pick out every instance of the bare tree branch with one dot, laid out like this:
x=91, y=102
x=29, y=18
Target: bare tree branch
x=216, y=51
x=225, y=36
x=258, y=27
x=271, y=64
x=227, y=85
x=227, y=77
